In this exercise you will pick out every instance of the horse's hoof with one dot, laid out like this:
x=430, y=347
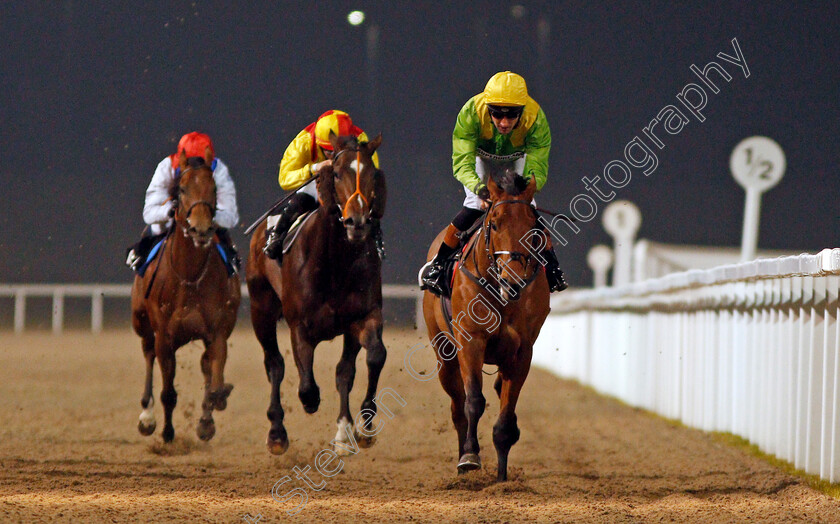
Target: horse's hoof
x=277, y=441
x=206, y=429
x=343, y=450
x=277, y=447
x=469, y=462
x=146, y=429
x=310, y=399
x=365, y=442
x=219, y=398
x=168, y=434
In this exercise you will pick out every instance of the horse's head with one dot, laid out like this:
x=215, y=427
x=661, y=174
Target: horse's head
x=509, y=220
x=353, y=186
x=196, y=200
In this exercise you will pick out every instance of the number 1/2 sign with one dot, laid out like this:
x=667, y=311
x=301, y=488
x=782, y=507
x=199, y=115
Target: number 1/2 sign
x=757, y=163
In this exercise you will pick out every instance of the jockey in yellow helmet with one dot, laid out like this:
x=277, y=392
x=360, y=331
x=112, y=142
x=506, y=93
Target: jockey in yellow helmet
x=502, y=120
x=304, y=157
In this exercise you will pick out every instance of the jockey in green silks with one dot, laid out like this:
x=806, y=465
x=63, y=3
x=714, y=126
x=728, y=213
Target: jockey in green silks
x=500, y=121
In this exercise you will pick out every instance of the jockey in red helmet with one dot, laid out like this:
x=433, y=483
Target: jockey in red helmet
x=159, y=206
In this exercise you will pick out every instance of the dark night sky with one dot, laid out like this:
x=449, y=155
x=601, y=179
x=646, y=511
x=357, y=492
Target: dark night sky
x=94, y=94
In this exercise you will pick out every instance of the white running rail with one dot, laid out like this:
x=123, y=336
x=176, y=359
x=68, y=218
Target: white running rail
x=751, y=349
x=97, y=292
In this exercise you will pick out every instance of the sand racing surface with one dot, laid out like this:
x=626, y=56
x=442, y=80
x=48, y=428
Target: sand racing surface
x=70, y=450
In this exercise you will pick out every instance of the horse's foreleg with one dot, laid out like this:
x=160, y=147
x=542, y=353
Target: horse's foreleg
x=147, y=423
x=450, y=378
x=471, y=361
x=506, y=431
x=215, y=397
x=265, y=312
x=345, y=374
x=218, y=389
x=304, y=352
x=168, y=397
x=370, y=336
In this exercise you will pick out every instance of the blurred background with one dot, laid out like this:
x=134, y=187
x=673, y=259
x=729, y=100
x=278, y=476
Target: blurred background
x=95, y=94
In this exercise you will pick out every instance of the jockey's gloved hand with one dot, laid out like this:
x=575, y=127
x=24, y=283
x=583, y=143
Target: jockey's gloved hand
x=317, y=167
x=483, y=193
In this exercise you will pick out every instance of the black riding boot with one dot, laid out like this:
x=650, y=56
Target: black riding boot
x=298, y=204
x=431, y=275
x=556, y=282
x=135, y=256
x=230, y=250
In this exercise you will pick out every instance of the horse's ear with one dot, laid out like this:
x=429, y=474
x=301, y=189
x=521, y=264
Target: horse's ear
x=495, y=190
x=334, y=141
x=208, y=156
x=531, y=189
x=182, y=160
x=374, y=144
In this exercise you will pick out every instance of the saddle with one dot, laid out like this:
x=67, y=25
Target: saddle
x=158, y=247
x=152, y=254
x=294, y=230
x=450, y=265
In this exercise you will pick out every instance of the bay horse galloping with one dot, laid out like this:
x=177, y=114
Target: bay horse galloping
x=184, y=295
x=329, y=284
x=500, y=299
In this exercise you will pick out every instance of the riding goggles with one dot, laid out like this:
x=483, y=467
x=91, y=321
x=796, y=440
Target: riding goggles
x=500, y=112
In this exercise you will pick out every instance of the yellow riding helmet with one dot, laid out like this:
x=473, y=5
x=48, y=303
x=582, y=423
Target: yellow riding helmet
x=334, y=120
x=506, y=89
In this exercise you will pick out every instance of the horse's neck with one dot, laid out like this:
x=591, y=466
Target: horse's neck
x=332, y=246
x=476, y=258
x=187, y=259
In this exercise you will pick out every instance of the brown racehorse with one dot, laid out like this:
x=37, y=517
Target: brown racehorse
x=186, y=295
x=499, y=303
x=329, y=284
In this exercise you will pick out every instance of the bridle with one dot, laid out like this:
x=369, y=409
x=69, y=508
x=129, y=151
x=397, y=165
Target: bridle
x=358, y=191
x=179, y=203
x=516, y=256
x=212, y=207
x=205, y=264
x=525, y=259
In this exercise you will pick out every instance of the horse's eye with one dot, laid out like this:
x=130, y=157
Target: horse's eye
x=493, y=226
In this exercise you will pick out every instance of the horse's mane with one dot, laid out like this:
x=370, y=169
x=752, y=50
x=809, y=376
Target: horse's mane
x=195, y=161
x=506, y=177
x=348, y=142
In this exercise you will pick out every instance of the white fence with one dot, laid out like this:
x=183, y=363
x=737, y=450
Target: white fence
x=655, y=259
x=97, y=292
x=751, y=349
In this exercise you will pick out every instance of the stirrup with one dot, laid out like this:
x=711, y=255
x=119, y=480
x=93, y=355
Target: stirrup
x=133, y=260
x=429, y=277
x=273, y=248
x=380, y=245
x=556, y=282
